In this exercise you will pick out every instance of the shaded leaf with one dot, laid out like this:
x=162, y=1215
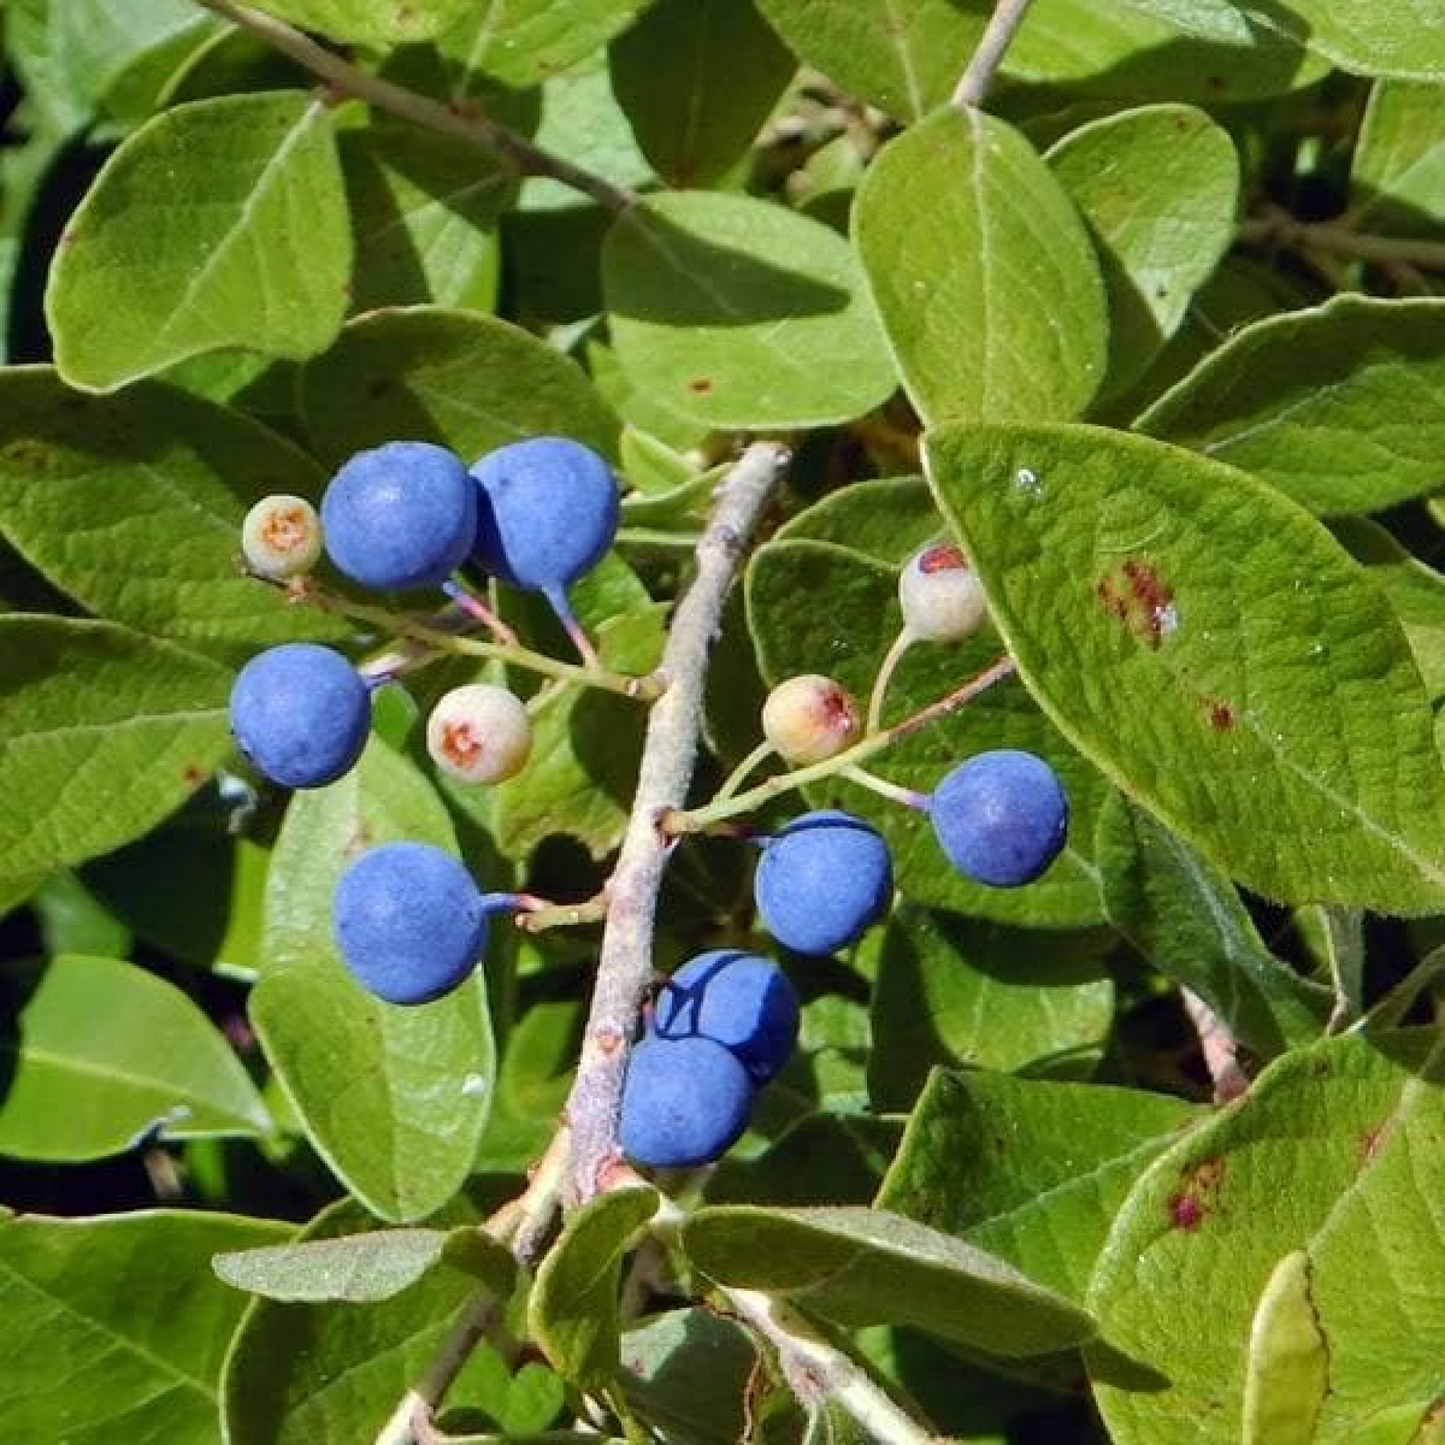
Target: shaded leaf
x=1397, y=171
x=371, y=22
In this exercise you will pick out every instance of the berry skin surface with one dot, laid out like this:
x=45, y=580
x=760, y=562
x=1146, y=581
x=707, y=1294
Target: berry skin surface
x=479, y=733
x=300, y=713
x=810, y=718
x=410, y=922
x=402, y=515
x=739, y=1000
x=547, y=511
x=941, y=596
x=684, y=1102
x=822, y=880
x=281, y=537
x=1001, y=817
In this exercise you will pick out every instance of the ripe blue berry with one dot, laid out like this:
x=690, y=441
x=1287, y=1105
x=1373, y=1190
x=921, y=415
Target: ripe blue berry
x=547, y=511
x=1001, y=817
x=300, y=714
x=684, y=1102
x=410, y=922
x=822, y=880
x=738, y=1000
x=402, y=515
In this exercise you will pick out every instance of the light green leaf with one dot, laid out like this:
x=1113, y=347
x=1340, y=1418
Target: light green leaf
x=741, y=313
x=105, y=733
x=983, y=273
x=372, y=22
x=1029, y=1169
x=72, y=919
x=952, y=990
x=101, y=1054
x=697, y=79
x=1334, y=1154
x=1289, y=1362
x=112, y=1328
x=572, y=1309
x=465, y=381
x=904, y=56
x=1214, y=650
x=1189, y=922
x=1339, y=406
x=1397, y=173
x=869, y=1266
x=393, y=1098
x=1209, y=19
x=188, y=241
x=133, y=504
x=1158, y=188
x=1387, y=37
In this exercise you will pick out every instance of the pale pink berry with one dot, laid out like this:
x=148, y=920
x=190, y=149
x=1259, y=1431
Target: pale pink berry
x=480, y=733
x=809, y=718
x=281, y=537
x=941, y=596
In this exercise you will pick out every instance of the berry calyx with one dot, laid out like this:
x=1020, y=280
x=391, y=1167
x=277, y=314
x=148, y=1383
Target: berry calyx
x=399, y=516
x=941, y=596
x=685, y=1102
x=822, y=880
x=739, y=1000
x=281, y=537
x=410, y=922
x=479, y=733
x=1001, y=817
x=810, y=718
x=300, y=714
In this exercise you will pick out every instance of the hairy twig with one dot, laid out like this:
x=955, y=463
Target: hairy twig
x=998, y=35
x=1278, y=227
x=669, y=755
x=1219, y=1047
x=521, y=155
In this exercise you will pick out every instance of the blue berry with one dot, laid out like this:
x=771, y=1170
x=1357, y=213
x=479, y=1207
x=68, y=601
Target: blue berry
x=822, y=880
x=410, y=922
x=684, y=1102
x=1001, y=817
x=548, y=510
x=403, y=515
x=300, y=714
x=738, y=1000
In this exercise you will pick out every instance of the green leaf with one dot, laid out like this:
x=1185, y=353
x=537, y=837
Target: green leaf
x=371, y=22
x=393, y=1098
x=825, y=1158
x=1158, y=188
x=1214, y=651
x=1289, y=1366
x=1338, y=406
x=133, y=504
x=904, y=56
x=1188, y=921
x=1387, y=37
x=102, y=1054
x=572, y=1310
x=522, y=42
x=105, y=733
x=983, y=273
x=1029, y=1169
x=465, y=381
x=1209, y=19
x=689, y=1374
x=113, y=1328
x=736, y=312
x=868, y=1266
x=73, y=919
x=697, y=79
x=1397, y=173
x=1334, y=1153
x=188, y=241
x=951, y=990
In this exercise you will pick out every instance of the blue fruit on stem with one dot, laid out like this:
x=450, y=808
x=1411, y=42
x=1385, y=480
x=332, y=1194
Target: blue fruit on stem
x=409, y=921
x=300, y=713
x=402, y=515
x=822, y=880
x=684, y=1102
x=739, y=1000
x=1001, y=817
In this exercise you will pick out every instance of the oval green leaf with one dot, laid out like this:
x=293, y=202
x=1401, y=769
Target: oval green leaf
x=356, y=1269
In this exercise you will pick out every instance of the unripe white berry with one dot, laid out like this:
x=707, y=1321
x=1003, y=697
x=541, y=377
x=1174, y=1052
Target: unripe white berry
x=281, y=537
x=941, y=596
x=809, y=718
x=480, y=733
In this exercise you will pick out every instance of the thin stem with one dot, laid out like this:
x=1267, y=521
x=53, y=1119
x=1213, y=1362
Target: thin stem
x=739, y=774
x=998, y=35
x=1282, y=229
x=894, y=792
x=669, y=754
x=886, y=669
x=565, y=915
x=521, y=155
x=478, y=610
x=697, y=820
x=1219, y=1047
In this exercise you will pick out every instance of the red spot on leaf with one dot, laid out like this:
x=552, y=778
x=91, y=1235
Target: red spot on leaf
x=193, y=776
x=1139, y=598
x=1221, y=716
x=1372, y=1140
x=1185, y=1212
x=699, y=384
x=942, y=559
